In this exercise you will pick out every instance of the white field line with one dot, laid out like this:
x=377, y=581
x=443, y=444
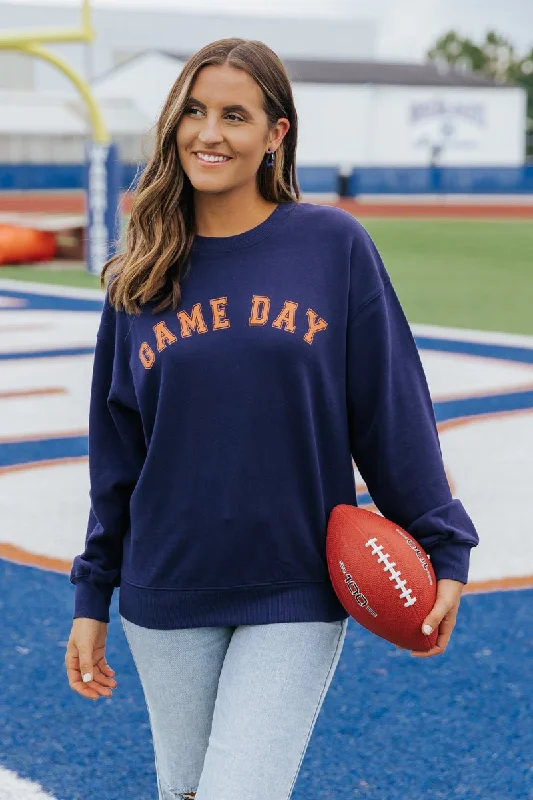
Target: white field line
x=14, y=788
x=419, y=329
x=50, y=289
x=468, y=335
x=447, y=198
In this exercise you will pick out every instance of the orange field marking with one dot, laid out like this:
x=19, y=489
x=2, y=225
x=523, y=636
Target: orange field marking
x=43, y=202
x=18, y=555
x=499, y=585
x=42, y=464
x=482, y=393
x=37, y=437
x=460, y=421
x=35, y=327
x=32, y=392
x=437, y=210
x=73, y=202
x=11, y=552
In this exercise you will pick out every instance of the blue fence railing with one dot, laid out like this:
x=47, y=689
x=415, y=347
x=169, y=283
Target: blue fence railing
x=445, y=180
x=318, y=180
x=53, y=177
x=41, y=177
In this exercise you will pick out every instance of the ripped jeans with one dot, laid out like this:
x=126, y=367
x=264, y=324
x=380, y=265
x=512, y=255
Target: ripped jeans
x=232, y=709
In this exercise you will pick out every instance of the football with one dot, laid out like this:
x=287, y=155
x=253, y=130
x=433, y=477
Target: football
x=381, y=575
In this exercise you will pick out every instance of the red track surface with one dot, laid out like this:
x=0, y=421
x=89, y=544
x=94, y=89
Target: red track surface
x=74, y=203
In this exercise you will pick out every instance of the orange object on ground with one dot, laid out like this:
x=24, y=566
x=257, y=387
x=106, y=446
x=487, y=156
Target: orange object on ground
x=25, y=244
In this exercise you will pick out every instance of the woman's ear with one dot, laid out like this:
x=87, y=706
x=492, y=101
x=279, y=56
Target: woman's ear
x=278, y=134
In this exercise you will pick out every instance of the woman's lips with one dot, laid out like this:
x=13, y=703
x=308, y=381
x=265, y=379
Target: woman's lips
x=211, y=163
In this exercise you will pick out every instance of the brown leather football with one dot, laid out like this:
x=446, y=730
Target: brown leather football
x=381, y=575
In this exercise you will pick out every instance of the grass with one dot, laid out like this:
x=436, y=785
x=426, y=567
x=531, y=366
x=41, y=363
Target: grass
x=63, y=277
x=465, y=274
x=457, y=273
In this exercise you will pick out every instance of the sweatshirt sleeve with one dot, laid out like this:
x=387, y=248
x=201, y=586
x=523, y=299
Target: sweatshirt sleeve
x=393, y=433
x=116, y=456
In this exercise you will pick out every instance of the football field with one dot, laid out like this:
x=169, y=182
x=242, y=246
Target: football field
x=457, y=273
x=392, y=727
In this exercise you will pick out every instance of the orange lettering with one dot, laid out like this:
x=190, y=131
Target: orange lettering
x=193, y=322
x=147, y=355
x=286, y=317
x=258, y=317
x=163, y=336
x=314, y=325
x=219, y=314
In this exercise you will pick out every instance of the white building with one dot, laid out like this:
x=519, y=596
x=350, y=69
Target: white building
x=380, y=114
x=53, y=127
x=365, y=113
x=353, y=111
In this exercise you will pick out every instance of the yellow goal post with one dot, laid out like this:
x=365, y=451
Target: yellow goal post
x=102, y=163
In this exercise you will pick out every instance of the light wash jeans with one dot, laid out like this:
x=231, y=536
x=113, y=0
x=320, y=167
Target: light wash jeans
x=232, y=709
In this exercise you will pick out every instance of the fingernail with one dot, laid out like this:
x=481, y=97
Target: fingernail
x=427, y=629
x=87, y=677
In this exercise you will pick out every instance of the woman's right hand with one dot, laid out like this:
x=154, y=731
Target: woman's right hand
x=86, y=656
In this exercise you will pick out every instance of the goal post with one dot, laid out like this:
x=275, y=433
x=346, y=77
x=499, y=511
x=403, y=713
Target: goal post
x=102, y=164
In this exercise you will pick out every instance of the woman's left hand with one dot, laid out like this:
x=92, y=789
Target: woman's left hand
x=443, y=615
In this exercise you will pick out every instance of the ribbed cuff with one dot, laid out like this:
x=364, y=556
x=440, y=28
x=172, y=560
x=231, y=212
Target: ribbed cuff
x=91, y=601
x=451, y=560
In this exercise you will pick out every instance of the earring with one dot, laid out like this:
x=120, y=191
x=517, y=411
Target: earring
x=270, y=158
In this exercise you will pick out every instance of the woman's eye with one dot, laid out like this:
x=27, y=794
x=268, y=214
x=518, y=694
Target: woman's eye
x=237, y=117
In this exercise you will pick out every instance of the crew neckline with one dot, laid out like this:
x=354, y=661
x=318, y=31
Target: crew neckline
x=211, y=244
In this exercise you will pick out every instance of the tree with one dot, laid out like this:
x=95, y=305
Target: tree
x=494, y=57
x=521, y=73
x=458, y=52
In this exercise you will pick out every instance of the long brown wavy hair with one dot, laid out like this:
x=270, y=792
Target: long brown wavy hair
x=161, y=228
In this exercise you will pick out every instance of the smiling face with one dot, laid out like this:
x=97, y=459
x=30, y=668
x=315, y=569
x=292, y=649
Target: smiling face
x=224, y=116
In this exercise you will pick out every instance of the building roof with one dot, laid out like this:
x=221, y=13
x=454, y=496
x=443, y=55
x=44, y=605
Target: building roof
x=378, y=72
x=147, y=78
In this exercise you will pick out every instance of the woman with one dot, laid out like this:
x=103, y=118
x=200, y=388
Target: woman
x=250, y=345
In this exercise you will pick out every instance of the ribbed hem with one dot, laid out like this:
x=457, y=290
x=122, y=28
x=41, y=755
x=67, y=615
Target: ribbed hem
x=90, y=601
x=451, y=560
x=247, y=605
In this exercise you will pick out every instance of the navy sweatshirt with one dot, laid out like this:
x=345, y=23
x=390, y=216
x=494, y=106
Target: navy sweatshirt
x=221, y=435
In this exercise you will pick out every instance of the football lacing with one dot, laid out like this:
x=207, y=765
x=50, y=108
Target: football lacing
x=377, y=550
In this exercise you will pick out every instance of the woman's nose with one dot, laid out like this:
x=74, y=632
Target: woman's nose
x=210, y=131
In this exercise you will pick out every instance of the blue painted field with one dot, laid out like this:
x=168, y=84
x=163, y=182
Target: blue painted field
x=392, y=727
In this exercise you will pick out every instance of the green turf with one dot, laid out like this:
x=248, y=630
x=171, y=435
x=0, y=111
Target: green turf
x=458, y=273
x=63, y=277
